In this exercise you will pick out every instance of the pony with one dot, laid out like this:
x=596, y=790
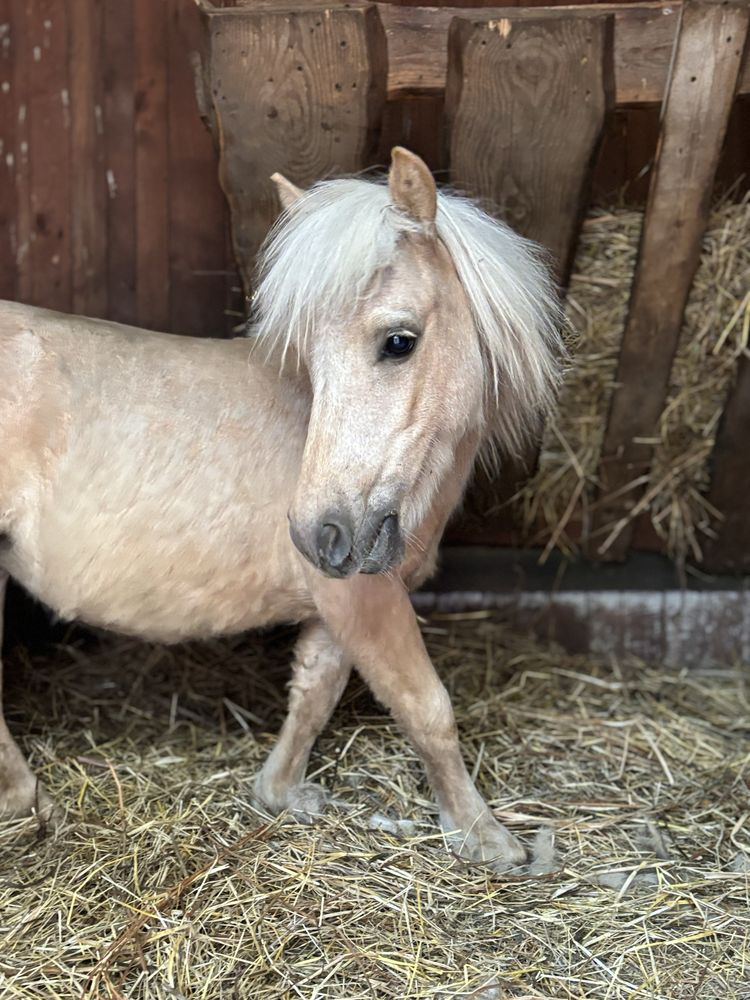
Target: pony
x=170, y=487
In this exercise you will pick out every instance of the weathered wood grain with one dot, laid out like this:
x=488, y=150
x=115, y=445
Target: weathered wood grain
x=526, y=101
x=729, y=552
x=151, y=165
x=48, y=117
x=706, y=66
x=118, y=43
x=89, y=179
x=8, y=114
x=298, y=92
x=197, y=282
x=643, y=40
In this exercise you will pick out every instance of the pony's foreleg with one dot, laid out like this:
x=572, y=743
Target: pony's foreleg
x=20, y=791
x=320, y=673
x=373, y=620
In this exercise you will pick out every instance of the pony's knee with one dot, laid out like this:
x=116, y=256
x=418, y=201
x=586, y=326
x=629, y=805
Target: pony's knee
x=429, y=720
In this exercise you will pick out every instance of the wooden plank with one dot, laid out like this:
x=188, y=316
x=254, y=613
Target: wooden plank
x=197, y=282
x=298, y=92
x=119, y=131
x=525, y=102
x=151, y=166
x=8, y=114
x=21, y=232
x=48, y=115
x=706, y=65
x=89, y=182
x=729, y=552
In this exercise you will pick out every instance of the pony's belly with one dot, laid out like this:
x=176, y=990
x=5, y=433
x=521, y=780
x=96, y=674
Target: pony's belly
x=165, y=590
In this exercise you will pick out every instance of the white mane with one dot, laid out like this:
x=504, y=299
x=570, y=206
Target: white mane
x=323, y=253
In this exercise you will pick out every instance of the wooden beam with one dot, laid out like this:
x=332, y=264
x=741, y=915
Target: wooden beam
x=706, y=65
x=729, y=552
x=301, y=92
x=526, y=100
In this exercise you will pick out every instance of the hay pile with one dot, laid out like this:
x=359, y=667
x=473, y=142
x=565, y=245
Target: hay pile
x=166, y=883
x=556, y=503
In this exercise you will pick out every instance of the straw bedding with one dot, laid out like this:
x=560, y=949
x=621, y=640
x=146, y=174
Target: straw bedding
x=165, y=882
x=556, y=502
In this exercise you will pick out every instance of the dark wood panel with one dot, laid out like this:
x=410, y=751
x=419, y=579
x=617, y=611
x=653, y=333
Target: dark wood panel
x=89, y=178
x=151, y=165
x=297, y=92
x=48, y=114
x=21, y=162
x=8, y=115
x=707, y=61
x=626, y=157
x=119, y=126
x=416, y=122
x=197, y=278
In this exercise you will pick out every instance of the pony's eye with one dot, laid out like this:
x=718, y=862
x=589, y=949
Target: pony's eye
x=398, y=344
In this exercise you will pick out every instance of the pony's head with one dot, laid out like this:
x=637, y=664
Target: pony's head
x=423, y=324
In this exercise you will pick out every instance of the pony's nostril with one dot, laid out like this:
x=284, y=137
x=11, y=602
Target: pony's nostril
x=334, y=543
x=387, y=548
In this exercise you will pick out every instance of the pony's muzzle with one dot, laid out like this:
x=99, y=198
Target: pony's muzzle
x=339, y=549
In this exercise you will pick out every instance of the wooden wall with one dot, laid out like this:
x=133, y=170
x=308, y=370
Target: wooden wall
x=109, y=200
x=109, y=195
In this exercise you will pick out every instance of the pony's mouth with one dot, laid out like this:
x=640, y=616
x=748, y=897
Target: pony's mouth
x=338, y=550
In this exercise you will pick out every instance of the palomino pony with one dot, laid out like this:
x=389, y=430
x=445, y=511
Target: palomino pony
x=173, y=488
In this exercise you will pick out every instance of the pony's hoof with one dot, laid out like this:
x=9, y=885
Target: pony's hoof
x=488, y=842
x=32, y=801
x=305, y=801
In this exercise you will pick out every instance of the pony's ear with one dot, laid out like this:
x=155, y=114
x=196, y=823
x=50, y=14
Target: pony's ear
x=411, y=185
x=288, y=193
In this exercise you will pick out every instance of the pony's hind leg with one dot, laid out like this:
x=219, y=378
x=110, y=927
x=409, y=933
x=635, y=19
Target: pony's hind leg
x=372, y=618
x=320, y=673
x=20, y=791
